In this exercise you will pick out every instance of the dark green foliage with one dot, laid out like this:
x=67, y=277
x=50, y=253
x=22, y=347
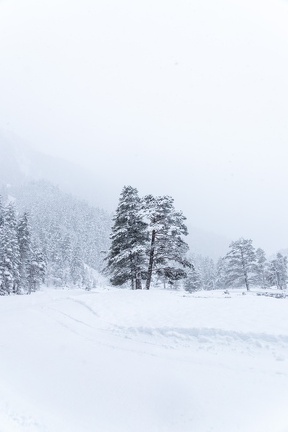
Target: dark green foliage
x=146, y=241
x=127, y=255
x=22, y=266
x=9, y=252
x=167, y=250
x=24, y=242
x=36, y=271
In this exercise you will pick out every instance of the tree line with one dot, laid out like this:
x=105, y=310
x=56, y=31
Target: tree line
x=246, y=266
x=22, y=264
x=70, y=233
x=242, y=266
x=147, y=245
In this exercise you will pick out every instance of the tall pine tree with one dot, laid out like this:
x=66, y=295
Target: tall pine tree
x=126, y=259
x=25, y=251
x=167, y=250
x=2, y=290
x=278, y=271
x=193, y=282
x=240, y=263
x=37, y=270
x=261, y=269
x=10, y=253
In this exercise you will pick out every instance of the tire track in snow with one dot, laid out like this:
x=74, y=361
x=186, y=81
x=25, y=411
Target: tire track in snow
x=204, y=336
x=70, y=317
x=84, y=305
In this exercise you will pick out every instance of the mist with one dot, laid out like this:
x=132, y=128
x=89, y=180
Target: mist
x=181, y=98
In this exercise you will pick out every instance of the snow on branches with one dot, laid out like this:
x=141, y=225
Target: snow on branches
x=146, y=241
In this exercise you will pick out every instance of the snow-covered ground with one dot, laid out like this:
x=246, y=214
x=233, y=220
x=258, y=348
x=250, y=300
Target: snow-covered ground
x=159, y=361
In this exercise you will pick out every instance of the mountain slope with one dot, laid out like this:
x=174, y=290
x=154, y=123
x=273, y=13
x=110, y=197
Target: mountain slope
x=71, y=233
x=207, y=243
x=19, y=163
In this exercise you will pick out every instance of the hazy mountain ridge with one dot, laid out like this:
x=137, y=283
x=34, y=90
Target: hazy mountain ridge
x=207, y=243
x=20, y=164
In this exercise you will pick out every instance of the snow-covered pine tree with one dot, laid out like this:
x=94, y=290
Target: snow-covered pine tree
x=10, y=255
x=221, y=274
x=77, y=269
x=208, y=273
x=193, y=282
x=55, y=256
x=261, y=269
x=240, y=263
x=126, y=259
x=1, y=211
x=167, y=250
x=206, y=268
x=2, y=291
x=36, y=270
x=24, y=243
x=278, y=271
x=66, y=259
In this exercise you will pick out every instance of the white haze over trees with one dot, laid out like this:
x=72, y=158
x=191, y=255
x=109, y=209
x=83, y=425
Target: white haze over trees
x=184, y=99
x=19, y=164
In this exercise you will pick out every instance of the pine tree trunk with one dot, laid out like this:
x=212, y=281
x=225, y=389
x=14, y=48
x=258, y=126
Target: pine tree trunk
x=138, y=283
x=278, y=281
x=246, y=282
x=245, y=271
x=151, y=260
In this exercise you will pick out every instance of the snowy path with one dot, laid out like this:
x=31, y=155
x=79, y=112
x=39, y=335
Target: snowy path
x=118, y=360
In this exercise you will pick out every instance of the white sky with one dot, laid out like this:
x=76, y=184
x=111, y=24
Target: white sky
x=188, y=98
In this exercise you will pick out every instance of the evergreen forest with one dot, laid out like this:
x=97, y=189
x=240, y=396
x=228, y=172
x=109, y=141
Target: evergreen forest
x=48, y=236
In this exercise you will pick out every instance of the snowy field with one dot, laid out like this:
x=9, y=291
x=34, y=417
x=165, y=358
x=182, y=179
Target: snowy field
x=136, y=361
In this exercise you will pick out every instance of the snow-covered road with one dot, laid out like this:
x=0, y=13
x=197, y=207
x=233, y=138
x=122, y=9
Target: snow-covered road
x=158, y=361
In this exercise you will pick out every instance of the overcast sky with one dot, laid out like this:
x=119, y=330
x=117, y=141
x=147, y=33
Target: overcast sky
x=187, y=98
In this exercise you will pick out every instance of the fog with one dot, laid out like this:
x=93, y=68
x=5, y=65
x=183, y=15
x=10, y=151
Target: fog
x=186, y=98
